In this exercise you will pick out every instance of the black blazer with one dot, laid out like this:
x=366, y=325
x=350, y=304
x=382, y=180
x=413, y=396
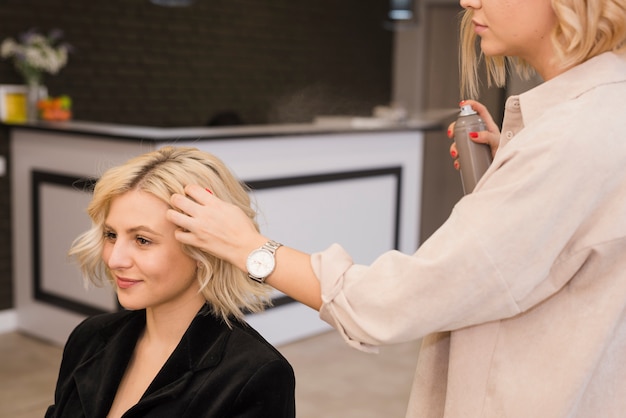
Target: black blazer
x=214, y=371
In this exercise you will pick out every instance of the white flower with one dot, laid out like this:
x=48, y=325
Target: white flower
x=36, y=54
x=7, y=48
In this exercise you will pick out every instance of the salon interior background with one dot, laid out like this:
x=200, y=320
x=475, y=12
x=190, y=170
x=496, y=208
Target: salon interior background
x=279, y=61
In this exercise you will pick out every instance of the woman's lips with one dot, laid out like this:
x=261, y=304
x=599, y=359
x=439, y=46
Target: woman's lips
x=478, y=28
x=123, y=283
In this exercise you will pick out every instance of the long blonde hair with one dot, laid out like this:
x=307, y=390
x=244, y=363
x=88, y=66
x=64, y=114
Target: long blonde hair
x=228, y=291
x=584, y=29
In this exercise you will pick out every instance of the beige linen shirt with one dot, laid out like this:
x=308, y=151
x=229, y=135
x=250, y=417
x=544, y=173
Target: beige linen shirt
x=521, y=295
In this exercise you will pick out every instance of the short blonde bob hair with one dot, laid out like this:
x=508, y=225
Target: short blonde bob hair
x=228, y=291
x=584, y=29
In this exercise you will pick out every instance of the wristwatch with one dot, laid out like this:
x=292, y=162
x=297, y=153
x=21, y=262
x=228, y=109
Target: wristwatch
x=262, y=261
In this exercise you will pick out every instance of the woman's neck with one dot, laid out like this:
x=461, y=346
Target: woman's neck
x=546, y=63
x=165, y=326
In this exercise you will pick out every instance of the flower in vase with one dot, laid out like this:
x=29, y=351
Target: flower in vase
x=34, y=54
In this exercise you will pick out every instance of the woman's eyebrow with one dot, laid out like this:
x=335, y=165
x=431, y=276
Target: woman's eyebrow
x=143, y=228
x=135, y=229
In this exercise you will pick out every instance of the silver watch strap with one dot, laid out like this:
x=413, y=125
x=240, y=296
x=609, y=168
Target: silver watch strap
x=271, y=246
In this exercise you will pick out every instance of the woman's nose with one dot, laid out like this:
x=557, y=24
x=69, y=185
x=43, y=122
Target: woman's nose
x=466, y=4
x=118, y=256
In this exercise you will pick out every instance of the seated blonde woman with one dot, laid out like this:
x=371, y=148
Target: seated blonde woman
x=181, y=347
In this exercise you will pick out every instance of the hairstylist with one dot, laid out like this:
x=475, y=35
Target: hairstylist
x=520, y=296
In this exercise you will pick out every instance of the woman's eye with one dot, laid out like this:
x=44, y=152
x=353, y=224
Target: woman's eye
x=143, y=241
x=109, y=236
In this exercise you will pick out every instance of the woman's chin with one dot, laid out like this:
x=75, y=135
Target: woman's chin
x=490, y=50
x=129, y=305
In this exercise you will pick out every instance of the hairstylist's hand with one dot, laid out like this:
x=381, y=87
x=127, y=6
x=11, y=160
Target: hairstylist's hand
x=224, y=230
x=216, y=226
x=490, y=137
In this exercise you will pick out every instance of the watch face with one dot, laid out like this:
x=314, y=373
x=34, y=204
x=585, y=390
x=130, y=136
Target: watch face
x=260, y=263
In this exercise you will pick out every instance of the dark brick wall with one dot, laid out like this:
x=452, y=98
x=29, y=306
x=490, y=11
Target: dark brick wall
x=272, y=61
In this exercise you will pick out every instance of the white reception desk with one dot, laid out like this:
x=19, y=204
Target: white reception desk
x=313, y=185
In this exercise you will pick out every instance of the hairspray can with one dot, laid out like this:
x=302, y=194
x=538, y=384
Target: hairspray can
x=474, y=158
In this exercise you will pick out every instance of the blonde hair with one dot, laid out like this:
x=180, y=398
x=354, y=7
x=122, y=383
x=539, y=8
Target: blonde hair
x=228, y=291
x=584, y=29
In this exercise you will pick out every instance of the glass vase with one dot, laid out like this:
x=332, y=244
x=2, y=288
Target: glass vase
x=32, y=97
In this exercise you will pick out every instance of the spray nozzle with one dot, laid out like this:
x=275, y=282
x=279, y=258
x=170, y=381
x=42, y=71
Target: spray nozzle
x=467, y=110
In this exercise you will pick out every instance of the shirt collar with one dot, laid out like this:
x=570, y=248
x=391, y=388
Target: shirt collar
x=605, y=68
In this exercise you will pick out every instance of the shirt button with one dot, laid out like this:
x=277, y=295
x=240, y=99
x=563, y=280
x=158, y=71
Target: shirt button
x=509, y=134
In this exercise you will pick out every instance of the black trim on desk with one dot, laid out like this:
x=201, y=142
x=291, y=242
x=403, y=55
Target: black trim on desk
x=38, y=178
x=77, y=183
x=395, y=171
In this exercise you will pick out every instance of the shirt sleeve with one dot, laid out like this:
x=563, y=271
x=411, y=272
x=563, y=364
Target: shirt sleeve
x=402, y=297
